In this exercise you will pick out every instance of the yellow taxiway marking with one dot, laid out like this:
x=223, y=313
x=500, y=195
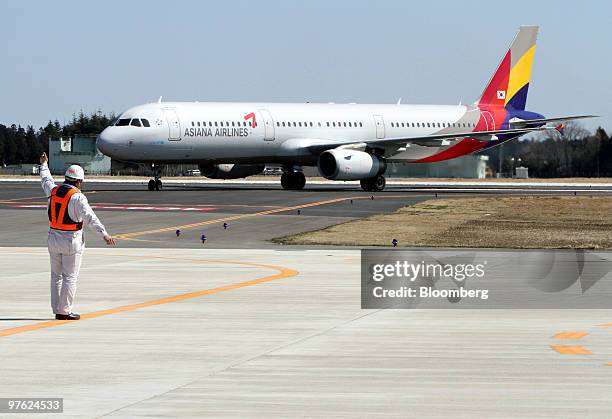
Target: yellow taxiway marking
x=236, y=217
x=282, y=273
x=571, y=350
x=570, y=335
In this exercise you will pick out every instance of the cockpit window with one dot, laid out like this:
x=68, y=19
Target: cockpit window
x=123, y=122
x=135, y=122
x=145, y=123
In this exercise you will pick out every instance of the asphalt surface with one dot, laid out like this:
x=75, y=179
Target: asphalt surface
x=253, y=213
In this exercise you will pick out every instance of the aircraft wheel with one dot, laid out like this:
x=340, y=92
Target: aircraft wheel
x=366, y=184
x=299, y=181
x=151, y=185
x=158, y=185
x=379, y=183
x=286, y=180
x=293, y=181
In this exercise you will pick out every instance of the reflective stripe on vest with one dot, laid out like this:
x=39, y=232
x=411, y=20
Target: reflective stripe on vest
x=59, y=219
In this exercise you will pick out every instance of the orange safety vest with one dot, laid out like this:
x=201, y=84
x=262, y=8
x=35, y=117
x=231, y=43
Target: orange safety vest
x=58, y=209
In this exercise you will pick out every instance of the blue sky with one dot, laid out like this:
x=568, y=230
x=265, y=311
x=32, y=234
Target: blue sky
x=63, y=56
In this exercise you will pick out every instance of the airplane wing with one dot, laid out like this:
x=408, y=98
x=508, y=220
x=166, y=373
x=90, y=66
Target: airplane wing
x=319, y=146
x=533, y=122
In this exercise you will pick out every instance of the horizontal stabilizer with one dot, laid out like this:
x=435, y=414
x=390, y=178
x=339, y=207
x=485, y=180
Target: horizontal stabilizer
x=537, y=122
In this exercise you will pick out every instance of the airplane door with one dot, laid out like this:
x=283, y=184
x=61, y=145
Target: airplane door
x=268, y=124
x=380, y=126
x=174, y=125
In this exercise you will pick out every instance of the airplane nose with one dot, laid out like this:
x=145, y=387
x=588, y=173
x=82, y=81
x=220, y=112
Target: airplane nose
x=103, y=142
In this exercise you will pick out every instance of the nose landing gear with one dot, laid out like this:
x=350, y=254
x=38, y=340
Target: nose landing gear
x=155, y=184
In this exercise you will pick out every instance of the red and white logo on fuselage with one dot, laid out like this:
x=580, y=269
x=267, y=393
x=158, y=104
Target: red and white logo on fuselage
x=253, y=119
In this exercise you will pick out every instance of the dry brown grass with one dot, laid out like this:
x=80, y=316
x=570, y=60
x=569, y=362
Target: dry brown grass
x=503, y=222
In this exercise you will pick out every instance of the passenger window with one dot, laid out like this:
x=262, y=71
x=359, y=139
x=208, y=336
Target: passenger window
x=328, y=124
x=145, y=123
x=360, y=124
x=135, y=122
x=216, y=124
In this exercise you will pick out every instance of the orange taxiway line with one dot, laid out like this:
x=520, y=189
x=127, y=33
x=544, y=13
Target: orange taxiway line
x=570, y=335
x=283, y=273
x=570, y=350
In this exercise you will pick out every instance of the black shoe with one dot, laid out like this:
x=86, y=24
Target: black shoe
x=70, y=316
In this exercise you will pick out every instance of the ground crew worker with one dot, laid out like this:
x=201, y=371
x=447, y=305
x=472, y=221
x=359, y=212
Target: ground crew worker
x=68, y=211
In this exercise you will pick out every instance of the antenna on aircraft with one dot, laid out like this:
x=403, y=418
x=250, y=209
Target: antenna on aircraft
x=160, y=99
x=399, y=101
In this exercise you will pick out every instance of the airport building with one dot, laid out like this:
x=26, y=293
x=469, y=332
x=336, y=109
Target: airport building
x=80, y=150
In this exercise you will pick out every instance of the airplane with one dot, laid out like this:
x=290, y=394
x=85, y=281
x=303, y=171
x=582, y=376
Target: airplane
x=345, y=141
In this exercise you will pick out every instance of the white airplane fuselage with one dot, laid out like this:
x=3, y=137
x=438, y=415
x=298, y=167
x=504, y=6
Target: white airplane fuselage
x=200, y=132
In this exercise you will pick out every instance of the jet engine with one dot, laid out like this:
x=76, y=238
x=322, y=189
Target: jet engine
x=230, y=171
x=346, y=164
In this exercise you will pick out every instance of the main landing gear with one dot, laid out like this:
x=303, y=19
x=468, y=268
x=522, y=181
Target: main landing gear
x=293, y=180
x=155, y=184
x=373, y=184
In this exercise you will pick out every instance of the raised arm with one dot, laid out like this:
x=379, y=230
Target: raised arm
x=46, y=179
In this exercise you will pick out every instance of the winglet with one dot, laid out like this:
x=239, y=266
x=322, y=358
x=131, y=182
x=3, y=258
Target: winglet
x=560, y=128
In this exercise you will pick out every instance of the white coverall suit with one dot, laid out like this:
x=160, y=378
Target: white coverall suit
x=66, y=247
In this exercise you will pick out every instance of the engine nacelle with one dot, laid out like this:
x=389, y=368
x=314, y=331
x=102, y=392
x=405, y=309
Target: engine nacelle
x=346, y=164
x=230, y=171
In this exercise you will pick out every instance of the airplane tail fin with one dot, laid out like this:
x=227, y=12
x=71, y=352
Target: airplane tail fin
x=508, y=86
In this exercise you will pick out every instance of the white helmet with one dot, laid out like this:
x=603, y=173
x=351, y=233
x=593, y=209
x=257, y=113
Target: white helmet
x=75, y=172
